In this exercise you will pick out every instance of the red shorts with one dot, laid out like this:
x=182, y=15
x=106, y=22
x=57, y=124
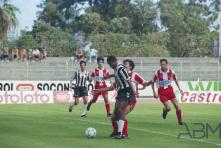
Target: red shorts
x=101, y=93
x=132, y=104
x=166, y=94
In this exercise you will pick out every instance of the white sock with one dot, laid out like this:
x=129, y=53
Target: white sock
x=71, y=103
x=84, y=109
x=120, y=124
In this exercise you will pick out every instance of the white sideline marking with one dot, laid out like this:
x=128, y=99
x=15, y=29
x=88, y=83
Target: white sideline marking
x=154, y=132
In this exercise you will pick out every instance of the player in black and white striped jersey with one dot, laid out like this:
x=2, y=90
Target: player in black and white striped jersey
x=80, y=87
x=125, y=94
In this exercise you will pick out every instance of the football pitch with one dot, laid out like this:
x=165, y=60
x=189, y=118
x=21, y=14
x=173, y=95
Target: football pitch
x=52, y=126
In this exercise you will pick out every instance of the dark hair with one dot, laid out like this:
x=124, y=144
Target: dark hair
x=81, y=62
x=131, y=63
x=163, y=60
x=100, y=59
x=111, y=59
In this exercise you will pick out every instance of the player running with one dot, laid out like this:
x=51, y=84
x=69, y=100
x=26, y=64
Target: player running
x=163, y=78
x=80, y=90
x=99, y=73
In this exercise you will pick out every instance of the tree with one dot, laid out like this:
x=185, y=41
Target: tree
x=53, y=39
x=91, y=22
x=144, y=17
x=152, y=44
x=187, y=23
x=121, y=25
x=8, y=19
x=26, y=40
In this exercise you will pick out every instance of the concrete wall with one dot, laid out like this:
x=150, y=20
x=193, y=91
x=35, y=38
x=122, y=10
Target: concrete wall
x=62, y=68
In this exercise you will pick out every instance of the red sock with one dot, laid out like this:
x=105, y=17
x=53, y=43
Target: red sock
x=179, y=116
x=115, y=127
x=125, y=129
x=108, y=108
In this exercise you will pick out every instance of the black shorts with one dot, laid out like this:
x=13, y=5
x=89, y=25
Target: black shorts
x=80, y=92
x=125, y=95
x=5, y=56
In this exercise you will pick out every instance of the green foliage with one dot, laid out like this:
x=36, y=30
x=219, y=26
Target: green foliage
x=121, y=25
x=8, y=19
x=53, y=39
x=26, y=41
x=188, y=25
x=92, y=23
x=130, y=44
x=128, y=28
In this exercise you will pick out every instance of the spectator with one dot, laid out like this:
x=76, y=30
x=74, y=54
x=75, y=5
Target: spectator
x=14, y=53
x=44, y=54
x=36, y=54
x=30, y=56
x=79, y=54
x=23, y=54
x=92, y=55
x=5, y=54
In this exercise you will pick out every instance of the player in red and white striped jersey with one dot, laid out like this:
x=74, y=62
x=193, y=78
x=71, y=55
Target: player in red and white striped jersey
x=136, y=80
x=163, y=78
x=98, y=74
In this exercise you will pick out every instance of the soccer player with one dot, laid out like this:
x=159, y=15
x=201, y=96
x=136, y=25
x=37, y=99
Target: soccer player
x=163, y=78
x=136, y=79
x=81, y=77
x=99, y=73
x=125, y=95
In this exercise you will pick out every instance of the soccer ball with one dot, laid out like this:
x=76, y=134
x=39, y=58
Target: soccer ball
x=90, y=132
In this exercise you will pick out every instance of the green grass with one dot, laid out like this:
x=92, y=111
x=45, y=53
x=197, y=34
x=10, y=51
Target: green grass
x=51, y=126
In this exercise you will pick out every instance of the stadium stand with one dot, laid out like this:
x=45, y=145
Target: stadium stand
x=61, y=68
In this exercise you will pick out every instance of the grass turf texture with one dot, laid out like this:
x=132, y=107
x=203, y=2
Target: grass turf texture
x=52, y=126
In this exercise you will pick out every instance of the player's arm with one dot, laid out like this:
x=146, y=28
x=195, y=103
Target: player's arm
x=153, y=81
x=139, y=80
x=108, y=77
x=89, y=77
x=178, y=86
x=110, y=88
x=72, y=79
x=177, y=82
x=155, y=95
x=148, y=83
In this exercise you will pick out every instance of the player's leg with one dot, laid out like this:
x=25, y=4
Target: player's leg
x=93, y=100
x=164, y=99
x=76, y=97
x=178, y=110
x=166, y=109
x=73, y=103
x=121, y=118
x=114, y=120
x=107, y=104
x=84, y=110
x=129, y=108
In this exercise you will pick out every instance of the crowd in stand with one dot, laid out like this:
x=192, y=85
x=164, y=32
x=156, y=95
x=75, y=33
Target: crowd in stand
x=23, y=54
x=91, y=55
x=36, y=54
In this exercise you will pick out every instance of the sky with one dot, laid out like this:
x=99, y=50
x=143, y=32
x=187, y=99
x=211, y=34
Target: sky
x=27, y=15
